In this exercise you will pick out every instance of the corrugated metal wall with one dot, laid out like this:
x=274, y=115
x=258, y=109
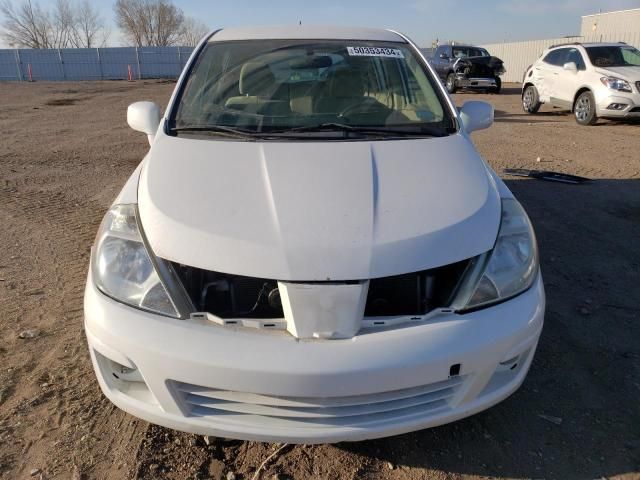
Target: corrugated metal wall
x=517, y=56
x=608, y=23
x=93, y=63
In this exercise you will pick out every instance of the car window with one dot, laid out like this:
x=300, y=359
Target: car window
x=614, y=56
x=631, y=56
x=464, y=52
x=574, y=55
x=285, y=84
x=556, y=57
x=549, y=57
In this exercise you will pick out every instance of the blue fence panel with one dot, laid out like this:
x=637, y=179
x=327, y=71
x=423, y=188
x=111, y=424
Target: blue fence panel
x=93, y=63
x=81, y=63
x=9, y=69
x=185, y=53
x=117, y=61
x=45, y=64
x=161, y=62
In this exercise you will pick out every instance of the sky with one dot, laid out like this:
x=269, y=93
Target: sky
x=475, y=21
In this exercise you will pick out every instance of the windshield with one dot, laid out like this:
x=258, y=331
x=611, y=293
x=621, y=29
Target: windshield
x=288, y=85
x=614, y=56
x=464, y=52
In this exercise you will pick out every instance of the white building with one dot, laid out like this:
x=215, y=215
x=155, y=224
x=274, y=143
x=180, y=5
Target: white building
x=608, y=23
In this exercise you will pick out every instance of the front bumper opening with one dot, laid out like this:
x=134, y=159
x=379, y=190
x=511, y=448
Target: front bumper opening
x=232, y=296
x=124, y=380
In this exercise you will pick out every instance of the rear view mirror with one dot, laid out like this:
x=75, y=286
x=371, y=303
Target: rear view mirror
x=444, y=56
x=476, y=115
x=144, y=117
x=319, y=61
x=570, y=66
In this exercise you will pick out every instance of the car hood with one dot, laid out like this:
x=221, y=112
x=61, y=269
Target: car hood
x=317, y=211
x=631, y=74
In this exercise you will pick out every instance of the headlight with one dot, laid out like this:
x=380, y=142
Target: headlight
x=616, y=84
x=511, y=266
x=122, y=268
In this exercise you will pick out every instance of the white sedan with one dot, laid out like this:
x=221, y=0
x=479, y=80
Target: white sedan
x=312, y=250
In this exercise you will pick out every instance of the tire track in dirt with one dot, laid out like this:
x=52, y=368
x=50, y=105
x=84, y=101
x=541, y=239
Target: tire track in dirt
x=50, y=401
x=60, y=166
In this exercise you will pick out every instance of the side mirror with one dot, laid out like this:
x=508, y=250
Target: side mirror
x=476, y=115
x=571, y=67
x=144, y=117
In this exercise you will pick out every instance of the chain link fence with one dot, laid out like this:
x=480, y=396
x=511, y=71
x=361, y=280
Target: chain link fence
x=92, y=63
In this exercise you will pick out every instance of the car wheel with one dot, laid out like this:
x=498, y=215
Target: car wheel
x=585, y=109
x=451, y=83
x=531, y=100
x=498, y=86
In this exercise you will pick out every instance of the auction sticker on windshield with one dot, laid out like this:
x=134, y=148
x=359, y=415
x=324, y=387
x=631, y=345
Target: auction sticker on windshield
x=375, y=52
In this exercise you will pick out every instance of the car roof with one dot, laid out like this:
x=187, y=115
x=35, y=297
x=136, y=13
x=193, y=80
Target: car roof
x=604, y=44
x=588, y=44
x=306, y=32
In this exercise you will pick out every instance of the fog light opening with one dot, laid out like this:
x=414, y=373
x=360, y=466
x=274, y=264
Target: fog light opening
x=617, y=106
x=511, y=364
x=507, y=363
x=125, y=374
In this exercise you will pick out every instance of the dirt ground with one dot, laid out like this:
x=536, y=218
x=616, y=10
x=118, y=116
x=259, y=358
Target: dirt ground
x=65, y=151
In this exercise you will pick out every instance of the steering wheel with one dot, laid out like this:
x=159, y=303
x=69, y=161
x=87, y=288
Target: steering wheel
x=370, y=105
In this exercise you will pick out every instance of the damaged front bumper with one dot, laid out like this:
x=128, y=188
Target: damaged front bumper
x=478, y=72
x=198, y=377
x=464, y=82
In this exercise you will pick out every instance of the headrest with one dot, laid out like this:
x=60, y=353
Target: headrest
x=255, y=78
x=346, y=83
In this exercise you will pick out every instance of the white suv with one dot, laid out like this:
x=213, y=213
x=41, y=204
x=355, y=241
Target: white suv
x=590, y=79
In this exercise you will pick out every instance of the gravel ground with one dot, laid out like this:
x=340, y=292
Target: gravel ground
x=65, y=153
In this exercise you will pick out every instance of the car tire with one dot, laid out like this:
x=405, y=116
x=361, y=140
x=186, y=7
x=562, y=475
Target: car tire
x=498, y=88
x=450, y=83
x=531, y=100
x=584, y=110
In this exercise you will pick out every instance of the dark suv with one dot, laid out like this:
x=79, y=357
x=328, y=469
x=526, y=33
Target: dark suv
x=465, y=66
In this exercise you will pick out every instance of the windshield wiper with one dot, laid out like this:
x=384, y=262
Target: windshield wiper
x=215, y=129
x=329, y=127
x=410, y=130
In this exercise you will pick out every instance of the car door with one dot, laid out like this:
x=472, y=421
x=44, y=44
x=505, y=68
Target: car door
x=544, y=74
x=568, y=82
x=435, y=60
x=441, y=64
x=558, y=76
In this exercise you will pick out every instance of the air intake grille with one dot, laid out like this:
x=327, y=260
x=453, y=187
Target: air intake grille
x=356, y=410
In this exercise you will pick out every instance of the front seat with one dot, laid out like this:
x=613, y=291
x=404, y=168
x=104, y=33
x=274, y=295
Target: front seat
x=257, y=86
x=345, y=88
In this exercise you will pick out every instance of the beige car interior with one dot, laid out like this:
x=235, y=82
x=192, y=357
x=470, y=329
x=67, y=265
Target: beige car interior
x=346, y=91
